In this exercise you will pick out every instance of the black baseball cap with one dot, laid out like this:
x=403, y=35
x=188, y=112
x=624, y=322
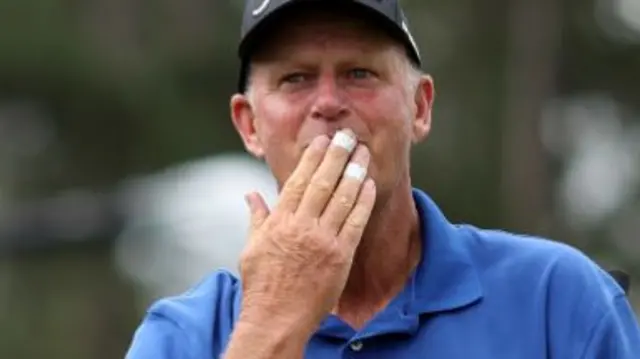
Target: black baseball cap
x=622, y=278
x=259, y=14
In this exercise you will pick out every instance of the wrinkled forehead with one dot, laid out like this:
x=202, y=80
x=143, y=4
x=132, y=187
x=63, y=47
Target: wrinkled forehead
x=321, y=29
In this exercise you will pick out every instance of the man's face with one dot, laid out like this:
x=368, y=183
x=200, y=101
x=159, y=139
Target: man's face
x=320, y=73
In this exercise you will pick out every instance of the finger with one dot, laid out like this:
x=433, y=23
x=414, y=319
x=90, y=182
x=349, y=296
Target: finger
x=296, y=185
x=326, y=177
x=346, y=194
x=356, y=222
x=258, y=208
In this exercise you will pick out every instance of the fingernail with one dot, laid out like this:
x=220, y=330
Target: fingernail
x=355, y=171
x=345, y=140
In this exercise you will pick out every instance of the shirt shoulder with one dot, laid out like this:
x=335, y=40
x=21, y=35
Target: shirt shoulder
x=503, y=255
x=195, y=324
x=586, y=312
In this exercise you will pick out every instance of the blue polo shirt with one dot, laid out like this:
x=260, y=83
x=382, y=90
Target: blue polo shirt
x=475, y=294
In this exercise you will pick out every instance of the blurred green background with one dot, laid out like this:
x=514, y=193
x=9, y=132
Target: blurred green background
x=121, y=177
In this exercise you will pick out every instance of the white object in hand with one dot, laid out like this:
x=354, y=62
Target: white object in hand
x=344, y=140
x=355, y=171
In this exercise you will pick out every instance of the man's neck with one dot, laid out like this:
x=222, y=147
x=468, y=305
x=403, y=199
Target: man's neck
x=387, y=254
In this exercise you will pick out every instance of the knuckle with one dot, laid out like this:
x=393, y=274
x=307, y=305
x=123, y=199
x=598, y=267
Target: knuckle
x=344, y=201
x=291, y=229
x=316, y=240
x=247, y=256
x=295, y=185
x=322, y=186
x=297, y=232
x=339, y=258
x=330, y=250
x=356, y=221
x=310, y=238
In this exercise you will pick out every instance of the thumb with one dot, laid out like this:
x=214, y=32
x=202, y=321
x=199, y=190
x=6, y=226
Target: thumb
x=258, y=208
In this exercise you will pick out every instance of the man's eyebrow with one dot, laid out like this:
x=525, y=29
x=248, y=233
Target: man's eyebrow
x=278, y=67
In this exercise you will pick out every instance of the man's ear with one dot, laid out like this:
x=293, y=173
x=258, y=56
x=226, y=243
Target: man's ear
x=243, y=117
x=424, y=97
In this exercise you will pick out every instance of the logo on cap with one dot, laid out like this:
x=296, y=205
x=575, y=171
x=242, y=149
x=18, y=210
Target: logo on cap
x=261, y=8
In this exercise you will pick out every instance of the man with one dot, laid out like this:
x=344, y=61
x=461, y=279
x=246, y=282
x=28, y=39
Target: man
x=353, y=261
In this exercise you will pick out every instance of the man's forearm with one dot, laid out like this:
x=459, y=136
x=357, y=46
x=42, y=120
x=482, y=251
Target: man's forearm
x=267, y=341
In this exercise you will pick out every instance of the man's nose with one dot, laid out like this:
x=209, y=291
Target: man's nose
x=330, y=104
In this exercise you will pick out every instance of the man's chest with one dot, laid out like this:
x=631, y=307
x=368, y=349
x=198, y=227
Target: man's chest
x=437, y=340
x=399, y=348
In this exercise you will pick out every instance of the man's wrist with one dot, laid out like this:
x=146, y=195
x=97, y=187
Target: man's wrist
x=289, y=324
x=259, y=337
x=297, y=317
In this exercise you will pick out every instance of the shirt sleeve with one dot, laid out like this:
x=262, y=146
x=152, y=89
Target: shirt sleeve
x=158, y=337
x=617, y=336
x=193, y=325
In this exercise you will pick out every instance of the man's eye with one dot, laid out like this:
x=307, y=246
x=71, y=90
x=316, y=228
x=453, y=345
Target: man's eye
x=294, y=78
x=360, y=73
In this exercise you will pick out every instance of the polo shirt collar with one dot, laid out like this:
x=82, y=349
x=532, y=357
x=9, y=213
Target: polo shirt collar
x=445, y=278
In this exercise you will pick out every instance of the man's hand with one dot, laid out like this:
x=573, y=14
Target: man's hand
x=299, y=256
